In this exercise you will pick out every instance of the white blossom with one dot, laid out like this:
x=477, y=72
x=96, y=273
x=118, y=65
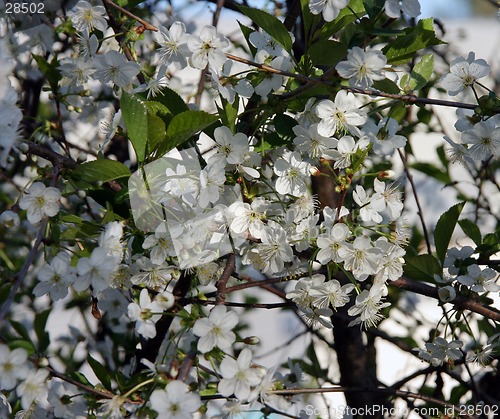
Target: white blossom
x=145, y=314
x=362, y=68
x=216, y=329
x=175, y=401
x=344, y=114
x=464, y=72
x=40, y=201
x=238, y=376
x=329, y=8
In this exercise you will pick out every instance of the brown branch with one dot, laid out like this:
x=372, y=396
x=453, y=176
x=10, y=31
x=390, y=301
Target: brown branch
x=57, y=160
x=310, y=81
x=268, y=306
x=460, y=301
x=147, y=26
x=222, y=282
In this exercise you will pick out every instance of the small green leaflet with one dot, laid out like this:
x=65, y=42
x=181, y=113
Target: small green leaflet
x=420, y=74
x=421, y=267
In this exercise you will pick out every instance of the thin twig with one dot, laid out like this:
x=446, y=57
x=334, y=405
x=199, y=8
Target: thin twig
x=417, y=201
x=310, y=81
x=147, y=26
x=24, y=270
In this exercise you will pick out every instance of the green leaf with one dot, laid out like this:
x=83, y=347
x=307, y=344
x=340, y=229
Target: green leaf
x=421, y=267
x=246, y=31
x=21, y=330
x=283, y=124
x=156, y=131
x=346, y=16
x=444, y=229
x=422, y=72
x=171, y=100
x=103, y=170
x=50, y=71
x=387, y=86
x=39, y=325
x=327, y=53
x=403, y=49
x=273, y=26
x=472, y=231
x=229, y=113
x=183, y=126
x=373, y=7
x=100, y=371
x=135, y=116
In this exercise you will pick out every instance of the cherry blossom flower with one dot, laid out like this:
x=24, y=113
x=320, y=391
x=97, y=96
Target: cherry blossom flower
x=76, y=71
x=56, y=277
x=263, y=41
x=13, y=366
x=238, y=376
x=438, y=351
x=362, y=68
x=9, y=219
x=330, y=293
x=391, y=263
x=344, y=114
x=95, y=271
x=384, y=136
x=212, y=179
x=160, y=243
x=301, y=294
x=114, y=67
x=271, y=82
x=248, y=218
x=330, y=244
x=393, y=8
x=207, y=49
x=292, y=173
x=480, y=280
x=230, y=148
x=346, y=148
x=86, y=18
x=175, y=401
x=360, y=257
x=368, y=305
x=274, y=250
x=151, y=275
x=173, y=47
x=40, y=201
x=484, y=140
x=369, y=209
x=33, y=388
x=310, y=143
x=389, y=197
x=145, y=314
x=455, y=257
x=329, y=8
x=464, y=72
x=216, y=329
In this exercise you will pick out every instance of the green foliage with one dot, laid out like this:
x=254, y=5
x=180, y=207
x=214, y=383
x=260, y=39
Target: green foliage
x=421, y=267
x=102, y=170
x=100, y=371
x=403, y=49
x=327, y=53
x=273, y=26
x=420, y=74
x=182, y=127
x=472, y=231
x=444, y=230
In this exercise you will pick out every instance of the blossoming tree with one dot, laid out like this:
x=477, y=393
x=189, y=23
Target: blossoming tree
x=139, y=207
